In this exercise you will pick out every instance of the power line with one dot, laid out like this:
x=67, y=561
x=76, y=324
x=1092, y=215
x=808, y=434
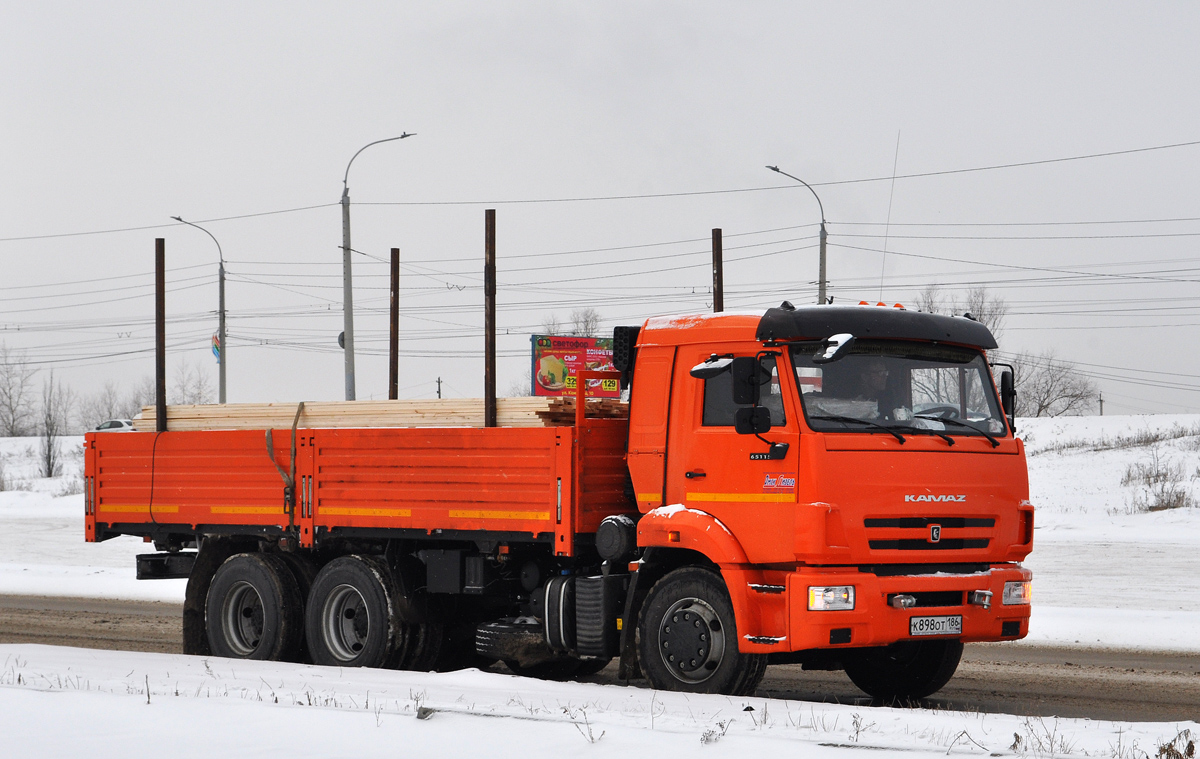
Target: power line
x=1012, y=165
x=642, y=196
x=164, y=226
x=1016, y=223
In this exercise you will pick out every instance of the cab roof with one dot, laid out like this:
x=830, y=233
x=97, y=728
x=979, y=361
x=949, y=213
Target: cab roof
x=787, y=323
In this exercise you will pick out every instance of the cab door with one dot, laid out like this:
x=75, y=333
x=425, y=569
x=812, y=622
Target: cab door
x=711, y=468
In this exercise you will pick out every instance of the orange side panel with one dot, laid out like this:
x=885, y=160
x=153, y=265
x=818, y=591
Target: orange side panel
x=649, y=409
x=437, y=478
x=189, y=478
x=605, y=476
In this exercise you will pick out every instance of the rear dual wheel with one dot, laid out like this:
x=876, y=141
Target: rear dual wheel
x=348, y=621
x=254, y=609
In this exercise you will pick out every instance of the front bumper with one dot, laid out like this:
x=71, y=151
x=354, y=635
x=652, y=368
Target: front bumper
x=778, y=607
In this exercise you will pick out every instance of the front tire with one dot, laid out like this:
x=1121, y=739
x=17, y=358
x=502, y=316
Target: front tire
x=254, y=609
x=905, y=671
x=687, y=637
x=348, y=622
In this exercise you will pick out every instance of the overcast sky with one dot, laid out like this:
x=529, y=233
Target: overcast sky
x=119, y=115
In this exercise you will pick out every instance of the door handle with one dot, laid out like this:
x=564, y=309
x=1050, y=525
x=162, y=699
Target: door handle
x=694, y=475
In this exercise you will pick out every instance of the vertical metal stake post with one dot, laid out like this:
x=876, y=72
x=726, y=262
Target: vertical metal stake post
x=394, y=338
x=489, y=318
x=160, y=334
x=718, y=273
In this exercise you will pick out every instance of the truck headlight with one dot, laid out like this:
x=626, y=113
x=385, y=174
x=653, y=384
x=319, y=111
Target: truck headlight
x=836, y=598
x=1018, y=593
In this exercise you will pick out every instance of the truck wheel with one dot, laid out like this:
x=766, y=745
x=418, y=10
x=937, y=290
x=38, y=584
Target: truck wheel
x=305, y=572
x=687, y=637
x=905, y=671
x=253, y=609
x=348, y=621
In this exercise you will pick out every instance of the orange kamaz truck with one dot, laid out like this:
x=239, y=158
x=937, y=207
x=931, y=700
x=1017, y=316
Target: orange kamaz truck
x=834, y=486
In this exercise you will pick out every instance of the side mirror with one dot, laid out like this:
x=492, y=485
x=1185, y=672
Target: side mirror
x=835, y=347
x=752, y=421
x=711, y=367
x=748, y=378
x=1008, y=398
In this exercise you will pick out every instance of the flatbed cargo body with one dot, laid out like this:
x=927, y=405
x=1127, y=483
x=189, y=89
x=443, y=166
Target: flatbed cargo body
x=519, y=483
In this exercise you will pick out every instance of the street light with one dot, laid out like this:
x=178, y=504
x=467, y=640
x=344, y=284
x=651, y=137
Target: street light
x=222, y=347
x=347, y=288
x=821, y=281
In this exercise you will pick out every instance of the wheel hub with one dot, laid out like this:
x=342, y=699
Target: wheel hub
x=242, y=618
x=346, y=622
x=691, y=640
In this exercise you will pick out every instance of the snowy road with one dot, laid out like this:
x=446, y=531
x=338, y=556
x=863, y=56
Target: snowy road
x=996, y=678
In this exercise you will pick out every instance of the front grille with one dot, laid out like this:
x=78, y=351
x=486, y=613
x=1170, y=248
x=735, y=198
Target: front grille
x=931, y=598
x=917, y=544
x=928, y=533
x=899, y=570
x=909, y=523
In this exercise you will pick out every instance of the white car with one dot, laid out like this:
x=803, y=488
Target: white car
x=115, y=425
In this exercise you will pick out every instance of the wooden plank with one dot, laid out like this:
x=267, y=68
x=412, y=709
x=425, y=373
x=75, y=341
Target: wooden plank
x=446, y=412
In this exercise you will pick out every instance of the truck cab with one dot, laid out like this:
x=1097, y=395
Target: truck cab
x=850, y=473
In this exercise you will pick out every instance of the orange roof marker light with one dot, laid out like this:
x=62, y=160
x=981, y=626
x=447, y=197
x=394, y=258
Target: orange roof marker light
x=881, y=303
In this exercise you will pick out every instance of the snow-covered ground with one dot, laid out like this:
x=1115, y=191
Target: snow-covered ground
x=69, y=702
x=1107, y=573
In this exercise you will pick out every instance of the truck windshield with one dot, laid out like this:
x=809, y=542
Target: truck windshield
x=901, y=385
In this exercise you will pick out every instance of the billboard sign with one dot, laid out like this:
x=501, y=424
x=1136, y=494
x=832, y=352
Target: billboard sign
x=558, y=359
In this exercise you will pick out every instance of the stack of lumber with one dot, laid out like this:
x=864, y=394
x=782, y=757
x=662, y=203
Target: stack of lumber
x=445, y=412
x=561, y=412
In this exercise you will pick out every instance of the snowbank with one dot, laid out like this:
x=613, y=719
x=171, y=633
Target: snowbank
x=102, y=704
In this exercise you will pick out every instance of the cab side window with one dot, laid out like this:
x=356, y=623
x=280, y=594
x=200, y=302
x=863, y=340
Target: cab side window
x=719, y=408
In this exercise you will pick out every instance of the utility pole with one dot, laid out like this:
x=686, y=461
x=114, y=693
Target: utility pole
x=822, y=278
x=439, y=388
x=222, y=347
x=347, y=280
x=1101, y=404
x=718, y=273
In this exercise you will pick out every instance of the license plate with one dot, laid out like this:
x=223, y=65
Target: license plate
x=935, y=625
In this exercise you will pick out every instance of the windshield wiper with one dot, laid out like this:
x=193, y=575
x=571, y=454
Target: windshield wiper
x=995, y=442
x=926, y=431
x=867, y=422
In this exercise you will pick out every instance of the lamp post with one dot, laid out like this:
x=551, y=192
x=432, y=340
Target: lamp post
x=347, y=287
x=822, y=279
x=222, y=346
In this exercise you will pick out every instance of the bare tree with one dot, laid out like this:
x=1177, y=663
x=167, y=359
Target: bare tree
x=551, y=325
x=140, y=396
x=521, y=386
x=57, y=401
x=931, y=300
x=106, y=404
x=1048, y=386
x=192, y=385
x=17, y=415
x=585, y=322
x=984, y=307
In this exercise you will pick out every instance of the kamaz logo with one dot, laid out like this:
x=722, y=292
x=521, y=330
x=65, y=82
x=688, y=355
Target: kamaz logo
x=937, y=498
